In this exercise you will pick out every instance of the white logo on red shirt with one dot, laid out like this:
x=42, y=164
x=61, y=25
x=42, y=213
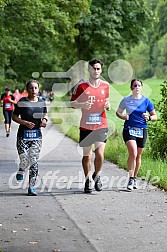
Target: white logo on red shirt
x=91, y=98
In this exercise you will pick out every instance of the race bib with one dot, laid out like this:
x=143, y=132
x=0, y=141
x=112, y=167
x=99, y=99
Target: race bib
x=31, y=134
x=93, y=118
x=137, y=132
x=7, y=105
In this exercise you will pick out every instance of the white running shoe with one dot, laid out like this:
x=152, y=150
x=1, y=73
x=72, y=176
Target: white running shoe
x=130, y=184
x=135, y=184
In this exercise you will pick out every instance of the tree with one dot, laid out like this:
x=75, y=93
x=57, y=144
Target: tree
x=161, y=11
x=160, y=52
x=158, y=29
x=111, y=26
x=158, y=130
x=139, y=58
x=34, y=32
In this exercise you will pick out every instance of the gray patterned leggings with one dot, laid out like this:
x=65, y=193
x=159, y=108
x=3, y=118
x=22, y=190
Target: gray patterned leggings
x=28, y=154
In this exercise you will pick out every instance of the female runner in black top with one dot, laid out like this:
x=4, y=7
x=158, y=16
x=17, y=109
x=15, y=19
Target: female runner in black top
x=31, y=114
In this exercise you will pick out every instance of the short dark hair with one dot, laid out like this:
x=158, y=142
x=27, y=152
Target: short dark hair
x=131, y=84
x=29, y=82
x=95, y=61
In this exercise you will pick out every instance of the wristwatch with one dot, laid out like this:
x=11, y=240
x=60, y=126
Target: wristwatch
x=45, y=119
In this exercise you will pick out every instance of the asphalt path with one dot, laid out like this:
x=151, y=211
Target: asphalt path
x=62, y=217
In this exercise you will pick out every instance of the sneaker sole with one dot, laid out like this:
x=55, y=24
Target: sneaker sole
x=32, y=194
x=87, y=191
x=98, y=189
x=130, y=189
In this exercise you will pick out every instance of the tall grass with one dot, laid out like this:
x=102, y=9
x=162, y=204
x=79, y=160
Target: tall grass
x=153, y=170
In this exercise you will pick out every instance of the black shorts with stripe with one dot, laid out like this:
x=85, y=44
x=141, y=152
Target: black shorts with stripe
x=89, y=137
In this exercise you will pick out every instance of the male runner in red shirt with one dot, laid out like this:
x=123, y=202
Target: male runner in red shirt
x=92, y=97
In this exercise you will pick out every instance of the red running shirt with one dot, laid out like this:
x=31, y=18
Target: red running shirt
x=95, y=117
x=6, y=104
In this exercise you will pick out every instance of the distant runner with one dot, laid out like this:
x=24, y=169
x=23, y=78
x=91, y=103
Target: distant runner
x=8, y=102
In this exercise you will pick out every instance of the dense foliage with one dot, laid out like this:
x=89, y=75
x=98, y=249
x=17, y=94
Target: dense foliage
x=34, y=34
x=154, y=61
x=52, y=35
x=111, y=26
x=158, y=130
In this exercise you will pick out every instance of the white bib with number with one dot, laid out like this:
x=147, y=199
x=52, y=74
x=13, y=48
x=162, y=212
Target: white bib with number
x=93, y=118
x=137, y=132
x=31, y=134
x=7, y=105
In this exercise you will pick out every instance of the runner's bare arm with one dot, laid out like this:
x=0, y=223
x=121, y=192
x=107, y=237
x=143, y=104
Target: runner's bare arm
x=107, y=105
x=18, y=120
x=78, y=105
x=151, y=117
x=119, y=114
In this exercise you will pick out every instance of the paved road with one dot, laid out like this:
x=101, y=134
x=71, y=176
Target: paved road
x=63, y=218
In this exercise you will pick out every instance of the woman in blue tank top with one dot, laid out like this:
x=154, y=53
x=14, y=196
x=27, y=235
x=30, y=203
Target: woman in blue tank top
x=138, y=110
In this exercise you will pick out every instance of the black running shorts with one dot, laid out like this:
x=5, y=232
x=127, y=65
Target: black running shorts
x=140, y=141
x=89, y=137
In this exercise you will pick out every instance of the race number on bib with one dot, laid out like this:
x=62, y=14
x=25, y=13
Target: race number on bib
x=31, y=134
x=7, y=105
x=93, y=118
x=137, y=132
